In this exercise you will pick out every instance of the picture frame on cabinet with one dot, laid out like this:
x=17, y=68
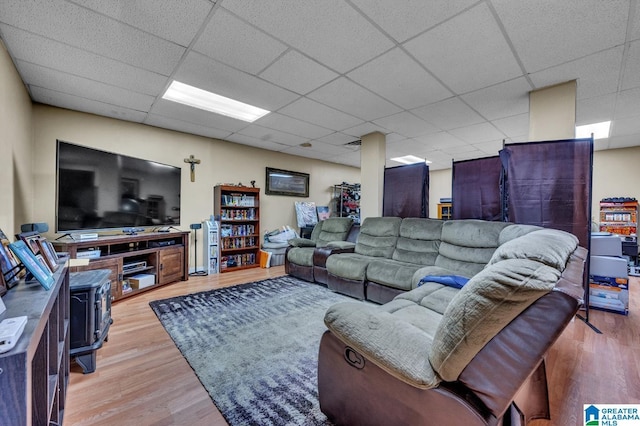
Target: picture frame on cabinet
x=9, y=267
x=285, y=182
x=29, y=260
x=48, y=253
x=3, y=287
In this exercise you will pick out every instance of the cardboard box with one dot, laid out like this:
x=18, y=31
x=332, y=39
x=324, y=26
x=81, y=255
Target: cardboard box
x=141, y=281
x=609, y=294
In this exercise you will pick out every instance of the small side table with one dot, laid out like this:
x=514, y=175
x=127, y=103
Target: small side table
x=90, y=315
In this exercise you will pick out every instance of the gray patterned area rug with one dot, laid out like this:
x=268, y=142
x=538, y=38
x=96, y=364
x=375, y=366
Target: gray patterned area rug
x=254, y=347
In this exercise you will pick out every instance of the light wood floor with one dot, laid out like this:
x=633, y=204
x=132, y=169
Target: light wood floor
x=142, y=379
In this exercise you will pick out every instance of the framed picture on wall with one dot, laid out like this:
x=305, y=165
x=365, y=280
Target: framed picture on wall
x=285, y=182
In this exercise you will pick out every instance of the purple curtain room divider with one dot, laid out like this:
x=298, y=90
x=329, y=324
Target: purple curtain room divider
x=549, y=184
x=475, y=189
x=406, y=191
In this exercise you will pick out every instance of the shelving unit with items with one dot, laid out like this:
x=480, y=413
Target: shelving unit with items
x=619, y=216
x=238, y=208
x=347, y=199
x=211, y=247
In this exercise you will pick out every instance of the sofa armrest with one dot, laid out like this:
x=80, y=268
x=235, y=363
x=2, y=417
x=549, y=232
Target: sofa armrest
x=321, y=254
x=343, y=245
x=301, y=242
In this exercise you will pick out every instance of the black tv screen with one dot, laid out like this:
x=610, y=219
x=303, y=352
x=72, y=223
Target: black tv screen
x=102, y=190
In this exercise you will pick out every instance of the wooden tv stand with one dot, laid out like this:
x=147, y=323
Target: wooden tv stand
x=162, y=254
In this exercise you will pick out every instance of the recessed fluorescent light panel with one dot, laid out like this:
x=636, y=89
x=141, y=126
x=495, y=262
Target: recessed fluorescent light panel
x=198, y=98
x=410, y=159
x=599, y=130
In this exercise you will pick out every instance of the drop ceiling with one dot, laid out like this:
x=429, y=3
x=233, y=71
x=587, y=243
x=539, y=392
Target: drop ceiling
x=444, y=80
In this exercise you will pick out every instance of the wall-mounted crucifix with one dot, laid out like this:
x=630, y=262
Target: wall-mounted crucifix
x=193, y=161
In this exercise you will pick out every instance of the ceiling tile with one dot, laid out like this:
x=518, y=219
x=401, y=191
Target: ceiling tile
x=175, y=21
x=269, y=135
x=406, y=124
x=406, y=19
x=477, y=133
x=625, y=126
x=80, y=27
x=470, y=38
x=313, y=112
x=330, y=31
x=502, y=100
x=231, y=41
x=549, y=32
x=297, y=73
x=631, y=77
x=346, y=96
x=34, y=75
x=185, y=127
x=293, y=126
x=628, y=104
x=596, y=74
x=75, y=103
x=449, y=114
x=196, y=116
x=256, y=142
x=440, y=140
x=339, y=139
x=398, y=78
x=364, y=129
x=513, y=126
x=62, y=57
x=205, y=73
x=490, y=148
x=352, y=159
x=619, y=142
x=595, y=110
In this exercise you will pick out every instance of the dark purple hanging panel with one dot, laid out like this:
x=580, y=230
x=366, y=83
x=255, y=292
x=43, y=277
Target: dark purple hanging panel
x=549, y=184
x=475, y=189
x=406, y=191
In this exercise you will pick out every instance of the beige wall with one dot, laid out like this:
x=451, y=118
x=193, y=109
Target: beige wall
x=439, y=187
x=222, y=162
x=16, y=147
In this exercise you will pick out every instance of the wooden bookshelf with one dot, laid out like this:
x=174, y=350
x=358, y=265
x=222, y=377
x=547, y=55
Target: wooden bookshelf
x=238, y=210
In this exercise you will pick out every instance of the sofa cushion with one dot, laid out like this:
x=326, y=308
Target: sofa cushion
x=302, y=256
x=391, y=273
x=389, y=337
x=378, y=236
x=332, y=229
x=467, y=245
x=352, y=266
x=418, y=241
x=548, y=246
x=485, y=305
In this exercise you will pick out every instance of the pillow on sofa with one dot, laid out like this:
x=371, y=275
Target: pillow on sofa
x=549, y=246
x=483, y=307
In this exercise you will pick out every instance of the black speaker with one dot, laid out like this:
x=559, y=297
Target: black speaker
x=38, y=227
x=195, y=226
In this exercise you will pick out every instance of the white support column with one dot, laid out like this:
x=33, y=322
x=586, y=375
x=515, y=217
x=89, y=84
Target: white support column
x=552, y=112
x=372, y=161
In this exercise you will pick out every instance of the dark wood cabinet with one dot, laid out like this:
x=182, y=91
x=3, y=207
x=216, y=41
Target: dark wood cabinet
x=35, y=373
x=162, y=254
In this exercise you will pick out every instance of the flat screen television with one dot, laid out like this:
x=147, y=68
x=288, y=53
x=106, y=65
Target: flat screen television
x=100, y=190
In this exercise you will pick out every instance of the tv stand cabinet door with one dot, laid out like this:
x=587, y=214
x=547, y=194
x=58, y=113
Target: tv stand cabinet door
x=113, y=264
x=171, y=267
